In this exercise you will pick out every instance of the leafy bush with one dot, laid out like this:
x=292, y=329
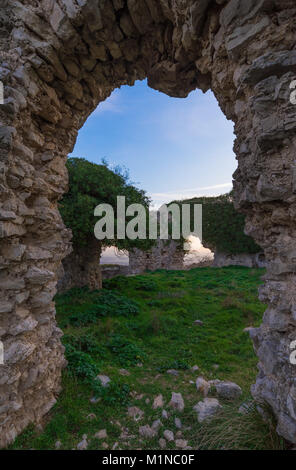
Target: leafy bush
x=223, y=226
x=127, y=353
x=104, y=303
x=81, y=364
x=85, y=343
x=138, y=283
x=91, y=184
x=115, y=394
x=177, y=364
x=144, y=283
x=84, y=318
x=112, y=303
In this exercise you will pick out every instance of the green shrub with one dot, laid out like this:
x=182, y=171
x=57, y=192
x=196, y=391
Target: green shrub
x=223, y=227
x=115, y=394
x=101, y=304
x=91, y=184
x=85, y=343
x=144, y=283
x=176, y=364
x=81, y=364
x=127, y=353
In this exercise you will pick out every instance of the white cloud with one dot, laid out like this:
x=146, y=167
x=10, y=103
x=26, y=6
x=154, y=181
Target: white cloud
x=163, y=198
x=205, y=188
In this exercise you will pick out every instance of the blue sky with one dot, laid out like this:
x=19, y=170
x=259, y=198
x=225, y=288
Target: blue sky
x=173, y=148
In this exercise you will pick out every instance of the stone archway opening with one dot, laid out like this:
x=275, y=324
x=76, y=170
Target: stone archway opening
x=138, y=123
x=60, y=59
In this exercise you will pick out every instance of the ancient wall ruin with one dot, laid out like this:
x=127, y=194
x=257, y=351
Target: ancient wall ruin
x=59, y=59
x=81, y=268
x=242, y=259
x=164, y=255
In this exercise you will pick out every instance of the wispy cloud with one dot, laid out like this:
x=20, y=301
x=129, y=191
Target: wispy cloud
x=163, y=198
x=185, y=192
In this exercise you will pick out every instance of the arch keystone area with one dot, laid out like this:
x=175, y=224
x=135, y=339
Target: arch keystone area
x=59, y=60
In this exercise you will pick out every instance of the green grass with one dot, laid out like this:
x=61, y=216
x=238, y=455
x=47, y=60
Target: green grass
x=149, y=319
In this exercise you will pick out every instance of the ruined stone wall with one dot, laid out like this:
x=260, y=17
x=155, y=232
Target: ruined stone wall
x=256, y=260
x=164, y=255
x=112, y=270
x=81, y=268
x=59, y=59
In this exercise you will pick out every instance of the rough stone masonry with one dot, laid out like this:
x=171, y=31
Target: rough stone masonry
x=59, y=59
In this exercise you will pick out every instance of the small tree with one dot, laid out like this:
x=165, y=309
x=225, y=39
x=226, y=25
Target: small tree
x=91, y=184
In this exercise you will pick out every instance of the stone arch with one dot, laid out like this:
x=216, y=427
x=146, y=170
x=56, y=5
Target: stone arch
x=59, y=60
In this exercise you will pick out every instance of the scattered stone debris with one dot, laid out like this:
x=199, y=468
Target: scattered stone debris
x=94, y=400
x=248, y=329
x=264, y=414
x=158, y=402
x=139, y=364
x=104, y=379
x=105, y=445
x=82, y=445
x=173, y=372
x=125, y=434
x=58, y=445
x=194, y=368
x=169, y=435
x=115, y=445
x=228, y=390
x=178, y=423
x=214, y=382
x=246, y=408
x=102, y=434
x=198, y=323
x=177, y=402
x=140, y=396
x=156, y=424
x=124, y=372
x=181, y=443
x=216, y=366
x=202, y=386
x=207, y=408
x=164, y=414
x=147, y=401
x=147, y=432
x=162, y=443
x=135, y=413
x=91, y=416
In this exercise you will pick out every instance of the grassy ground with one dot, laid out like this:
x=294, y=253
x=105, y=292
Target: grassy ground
x=144, y=324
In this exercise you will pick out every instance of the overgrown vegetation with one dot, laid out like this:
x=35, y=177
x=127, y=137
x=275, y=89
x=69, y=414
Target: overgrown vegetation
x=91, y=184
x=223, y=226
x=147, y=328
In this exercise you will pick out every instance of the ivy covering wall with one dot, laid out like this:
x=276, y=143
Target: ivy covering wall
x=91, y=184
x=223, y=226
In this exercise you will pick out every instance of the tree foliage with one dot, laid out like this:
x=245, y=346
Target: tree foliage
x=223, y=226
x=91, y=184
